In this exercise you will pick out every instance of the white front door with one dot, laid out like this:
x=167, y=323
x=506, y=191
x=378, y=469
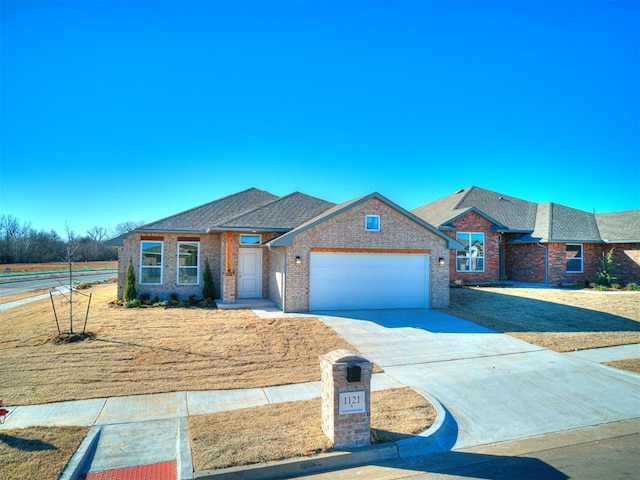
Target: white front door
x=249, y=273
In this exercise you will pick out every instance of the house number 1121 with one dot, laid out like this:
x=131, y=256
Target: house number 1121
x=351, y=402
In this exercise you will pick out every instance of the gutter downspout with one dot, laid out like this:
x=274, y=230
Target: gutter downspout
x=284, y=278
x=546, y=264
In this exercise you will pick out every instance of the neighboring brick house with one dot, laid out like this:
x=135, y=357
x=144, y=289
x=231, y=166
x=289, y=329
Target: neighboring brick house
x=300, y=251
x=506, y=238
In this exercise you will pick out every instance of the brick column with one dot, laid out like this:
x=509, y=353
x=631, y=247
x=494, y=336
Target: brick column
x=346, y=398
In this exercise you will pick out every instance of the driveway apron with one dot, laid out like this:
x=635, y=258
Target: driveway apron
x=496, y=387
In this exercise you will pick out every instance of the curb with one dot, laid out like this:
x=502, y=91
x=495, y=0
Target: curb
x=82, y=457
x=441, y=436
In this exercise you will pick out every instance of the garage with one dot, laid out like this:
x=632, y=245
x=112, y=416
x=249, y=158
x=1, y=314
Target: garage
x=357, y=280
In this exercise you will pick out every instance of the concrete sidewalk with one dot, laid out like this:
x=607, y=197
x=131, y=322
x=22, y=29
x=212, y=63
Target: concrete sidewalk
x=489, y=388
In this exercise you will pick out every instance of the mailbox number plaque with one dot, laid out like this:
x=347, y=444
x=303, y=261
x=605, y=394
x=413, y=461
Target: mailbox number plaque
x=351, y=402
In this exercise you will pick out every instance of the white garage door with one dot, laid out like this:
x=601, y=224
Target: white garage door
x=344, y=281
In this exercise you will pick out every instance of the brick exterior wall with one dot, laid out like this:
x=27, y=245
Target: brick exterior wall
x=347, y=231
x=474, y=223
x=525, y=263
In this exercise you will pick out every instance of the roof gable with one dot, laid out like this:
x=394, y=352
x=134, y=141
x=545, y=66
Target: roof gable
x=287, y=238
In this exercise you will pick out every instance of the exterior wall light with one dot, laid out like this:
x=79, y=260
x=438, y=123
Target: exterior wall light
x=298, y=259
x=441, y=261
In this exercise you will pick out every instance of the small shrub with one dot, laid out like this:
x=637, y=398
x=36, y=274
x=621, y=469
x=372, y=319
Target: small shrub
x=633, y=286
x=208, y=291
x=130, y=293
x=160, y=303
x=156, y=299
x=184, y=303
x=602, y=288
x=208, y=302
x=135, y=303
x=174, y=297
x=145, y=298
x=607, y=265
x=616, y=286
x=192, y=299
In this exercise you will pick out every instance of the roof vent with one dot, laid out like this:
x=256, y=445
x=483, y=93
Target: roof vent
x=460, y=191
x=500, y=198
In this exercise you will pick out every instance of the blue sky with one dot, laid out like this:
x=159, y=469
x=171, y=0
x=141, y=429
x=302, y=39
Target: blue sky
x=115, y=111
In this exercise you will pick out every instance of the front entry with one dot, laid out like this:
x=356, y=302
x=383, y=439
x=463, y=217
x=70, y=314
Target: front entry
x=249, y=273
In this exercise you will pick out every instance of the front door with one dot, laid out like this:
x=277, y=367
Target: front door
x=250, y=273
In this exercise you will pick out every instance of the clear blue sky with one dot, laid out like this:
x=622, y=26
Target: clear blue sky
x=115, y=111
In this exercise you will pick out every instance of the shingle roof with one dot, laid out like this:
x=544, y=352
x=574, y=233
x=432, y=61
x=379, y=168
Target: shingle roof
x=509, y=212
x=204, y=217
x=544, y=222
x=282, y=213
x=619, y=226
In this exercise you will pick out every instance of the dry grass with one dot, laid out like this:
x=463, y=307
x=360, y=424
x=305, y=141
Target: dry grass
x=631, y=365
x=288, y=430
x=152, y=350
x=561, y=320
x=53, y=266
x=37, y=452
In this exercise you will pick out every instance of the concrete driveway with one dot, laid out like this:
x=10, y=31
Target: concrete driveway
x=496, y=388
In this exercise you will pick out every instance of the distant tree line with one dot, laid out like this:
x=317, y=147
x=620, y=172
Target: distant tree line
x=21, y=243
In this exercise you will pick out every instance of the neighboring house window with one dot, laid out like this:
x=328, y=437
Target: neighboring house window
x=188, y=263
x=471, y=257
x=151, y=263
x=250, y=239
x=372, y=223
x=574, y=258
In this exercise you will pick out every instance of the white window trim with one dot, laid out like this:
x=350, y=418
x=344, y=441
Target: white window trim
x=484, y=246
x=161, y=266
x=366, y=227
x=250, y=235
x=197, y=267
x=581, y=257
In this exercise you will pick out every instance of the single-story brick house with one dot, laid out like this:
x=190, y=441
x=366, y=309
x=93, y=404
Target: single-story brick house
x=506, y=238
x=302, y=252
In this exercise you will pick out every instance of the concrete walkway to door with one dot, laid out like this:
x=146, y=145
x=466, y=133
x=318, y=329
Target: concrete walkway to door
x=495, y=387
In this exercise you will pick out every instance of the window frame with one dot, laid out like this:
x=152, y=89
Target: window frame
x=149, y=267
x=366, y=223
x=180, y=267
x=250, y=244
x=470, y=257
x=581, y=258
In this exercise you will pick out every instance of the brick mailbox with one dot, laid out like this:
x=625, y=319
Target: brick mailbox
x=346, y=398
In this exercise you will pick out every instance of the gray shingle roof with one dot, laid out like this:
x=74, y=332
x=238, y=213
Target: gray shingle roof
x=283, y=213
x=619, y=226
x=544, y=222
x=204, y=217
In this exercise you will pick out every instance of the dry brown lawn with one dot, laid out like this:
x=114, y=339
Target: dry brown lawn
x=281, y=431
x=561, y=320
x=19, y=296
x=38, y=452
x=152, y=350
x=53, y=266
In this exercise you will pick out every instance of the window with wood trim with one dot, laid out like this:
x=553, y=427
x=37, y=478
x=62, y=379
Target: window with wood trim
x=151, y=262
x=188, y=263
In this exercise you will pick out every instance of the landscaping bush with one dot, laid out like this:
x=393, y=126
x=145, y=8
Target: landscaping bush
x=633, y=286
x=130, y=284
x=208, y=290
x=604, y=276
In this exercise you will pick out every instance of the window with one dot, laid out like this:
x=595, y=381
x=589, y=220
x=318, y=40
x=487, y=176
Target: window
x=250, y=239
x=372, y=223
x=188, y=263
x=151, y=263
x=574, y=258
x=471, y=257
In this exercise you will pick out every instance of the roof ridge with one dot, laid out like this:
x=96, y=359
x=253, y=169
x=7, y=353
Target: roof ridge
x=250, y=210
x=203, y=205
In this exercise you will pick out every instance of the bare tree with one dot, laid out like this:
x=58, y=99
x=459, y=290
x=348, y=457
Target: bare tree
x=97, y=233
x=126, y=227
